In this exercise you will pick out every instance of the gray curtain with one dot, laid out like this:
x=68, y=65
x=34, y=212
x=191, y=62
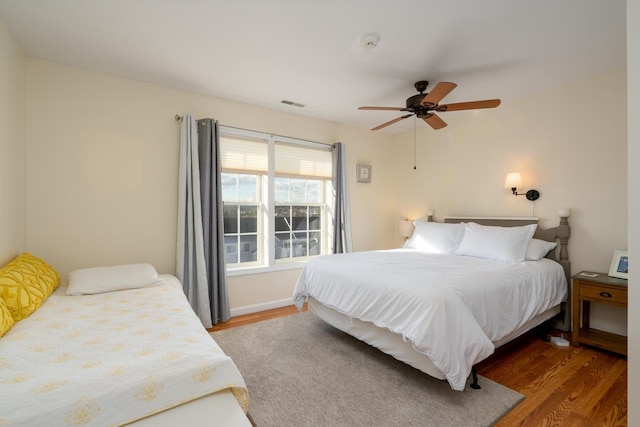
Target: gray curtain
x=200, y=254
x=341, y=217
x=213, y=231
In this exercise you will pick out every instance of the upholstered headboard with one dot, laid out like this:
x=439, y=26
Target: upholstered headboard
x=559, y=234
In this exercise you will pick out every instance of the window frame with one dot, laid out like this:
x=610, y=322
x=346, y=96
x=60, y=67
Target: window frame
x=266, y=224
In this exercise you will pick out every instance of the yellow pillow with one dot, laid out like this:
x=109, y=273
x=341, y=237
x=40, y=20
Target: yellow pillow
x=25, y=283
x=6, y=321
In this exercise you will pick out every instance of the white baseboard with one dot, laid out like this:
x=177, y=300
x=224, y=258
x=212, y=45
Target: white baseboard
x=248, y=309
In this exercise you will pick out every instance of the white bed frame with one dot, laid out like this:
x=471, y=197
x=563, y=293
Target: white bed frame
x=394, y=345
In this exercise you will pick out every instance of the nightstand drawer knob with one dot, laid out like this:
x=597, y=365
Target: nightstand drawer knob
x=605, y=294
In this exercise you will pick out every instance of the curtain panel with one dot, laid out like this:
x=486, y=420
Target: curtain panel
x=212, y=219
x=341, y=217
x=200, y=253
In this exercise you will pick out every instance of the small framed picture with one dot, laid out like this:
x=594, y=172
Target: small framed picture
x=620, y=265
x=363, y=173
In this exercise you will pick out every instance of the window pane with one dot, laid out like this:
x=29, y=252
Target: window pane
x=315, y=213
x=299, y=245
x=248, y=248
x=239, y=187
x=248, y=219
x=283, y=245
x=314, y=191
x=315, y=243
x=283, y=218
x=229, y=187
x=282, y=190
x=247, y=188
x=230, y=217
x=299, y=220
x=230, y=249
x=298, y=190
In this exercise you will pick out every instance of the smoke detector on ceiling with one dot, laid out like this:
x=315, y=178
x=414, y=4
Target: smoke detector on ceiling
x=369, y=41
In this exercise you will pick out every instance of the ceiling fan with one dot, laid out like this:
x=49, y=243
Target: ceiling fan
x=425, y=105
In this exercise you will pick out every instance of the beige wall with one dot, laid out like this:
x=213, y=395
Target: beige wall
x=102, y=172
x=571, y=152
x=12, y=147
x=633, y=70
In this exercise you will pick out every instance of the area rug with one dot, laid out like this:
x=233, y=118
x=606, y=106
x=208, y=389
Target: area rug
x=301, y=371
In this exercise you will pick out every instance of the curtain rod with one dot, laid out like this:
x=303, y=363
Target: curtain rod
x=283, y=138
x=179, y=119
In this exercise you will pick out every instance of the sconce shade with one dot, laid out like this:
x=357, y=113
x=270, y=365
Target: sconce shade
x=564, y=212
x=514, y=180
x=406, y=228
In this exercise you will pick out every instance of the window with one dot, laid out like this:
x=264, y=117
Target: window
x=274, y=191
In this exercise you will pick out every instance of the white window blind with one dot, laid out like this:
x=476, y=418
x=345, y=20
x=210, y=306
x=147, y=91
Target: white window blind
x=299, y=161
x=243, y=155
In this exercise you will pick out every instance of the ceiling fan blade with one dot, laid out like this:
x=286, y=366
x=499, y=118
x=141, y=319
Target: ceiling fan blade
x=390, y=122
x=435, y=121
x=384, y=108
x=440, y=90
x=473, y=105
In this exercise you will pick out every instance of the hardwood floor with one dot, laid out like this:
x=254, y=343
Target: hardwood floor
x=563, y=386
x=256, y=317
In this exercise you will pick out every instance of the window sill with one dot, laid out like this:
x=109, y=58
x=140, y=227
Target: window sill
x=262, y=269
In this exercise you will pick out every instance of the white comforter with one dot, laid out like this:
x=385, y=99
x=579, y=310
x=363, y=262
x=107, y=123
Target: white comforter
x=451, y=308
x=109, y=359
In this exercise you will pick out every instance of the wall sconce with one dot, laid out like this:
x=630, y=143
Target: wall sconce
x=406, y=228
x=513, y=181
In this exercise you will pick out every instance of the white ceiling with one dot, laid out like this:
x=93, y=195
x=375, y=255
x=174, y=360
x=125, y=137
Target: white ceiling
x=309, y=51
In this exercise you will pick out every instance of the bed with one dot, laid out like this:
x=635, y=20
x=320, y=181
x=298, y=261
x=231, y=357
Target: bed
x=135, y=355
x=456, y=291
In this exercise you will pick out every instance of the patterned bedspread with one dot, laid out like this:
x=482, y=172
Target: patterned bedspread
x=110, y=359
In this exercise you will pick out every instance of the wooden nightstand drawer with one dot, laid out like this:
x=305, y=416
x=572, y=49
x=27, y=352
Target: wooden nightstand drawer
x=604, y=294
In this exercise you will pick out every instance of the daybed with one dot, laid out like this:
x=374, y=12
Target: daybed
x=124, y=347
x=450, y=296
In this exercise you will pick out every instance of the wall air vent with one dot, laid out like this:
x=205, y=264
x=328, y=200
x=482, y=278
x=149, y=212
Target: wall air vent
x=295, y=104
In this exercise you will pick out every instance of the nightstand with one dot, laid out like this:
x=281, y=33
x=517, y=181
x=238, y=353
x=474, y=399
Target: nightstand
x=604, y=290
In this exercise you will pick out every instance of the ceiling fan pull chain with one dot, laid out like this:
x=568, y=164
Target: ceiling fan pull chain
x=414, y=143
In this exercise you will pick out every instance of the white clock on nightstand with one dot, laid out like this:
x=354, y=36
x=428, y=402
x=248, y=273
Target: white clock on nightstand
x=363, y=173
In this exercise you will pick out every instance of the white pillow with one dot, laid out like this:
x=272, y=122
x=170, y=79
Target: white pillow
x=90, y=281
x=435, y=237
x=538, y=249
x=498, y=243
